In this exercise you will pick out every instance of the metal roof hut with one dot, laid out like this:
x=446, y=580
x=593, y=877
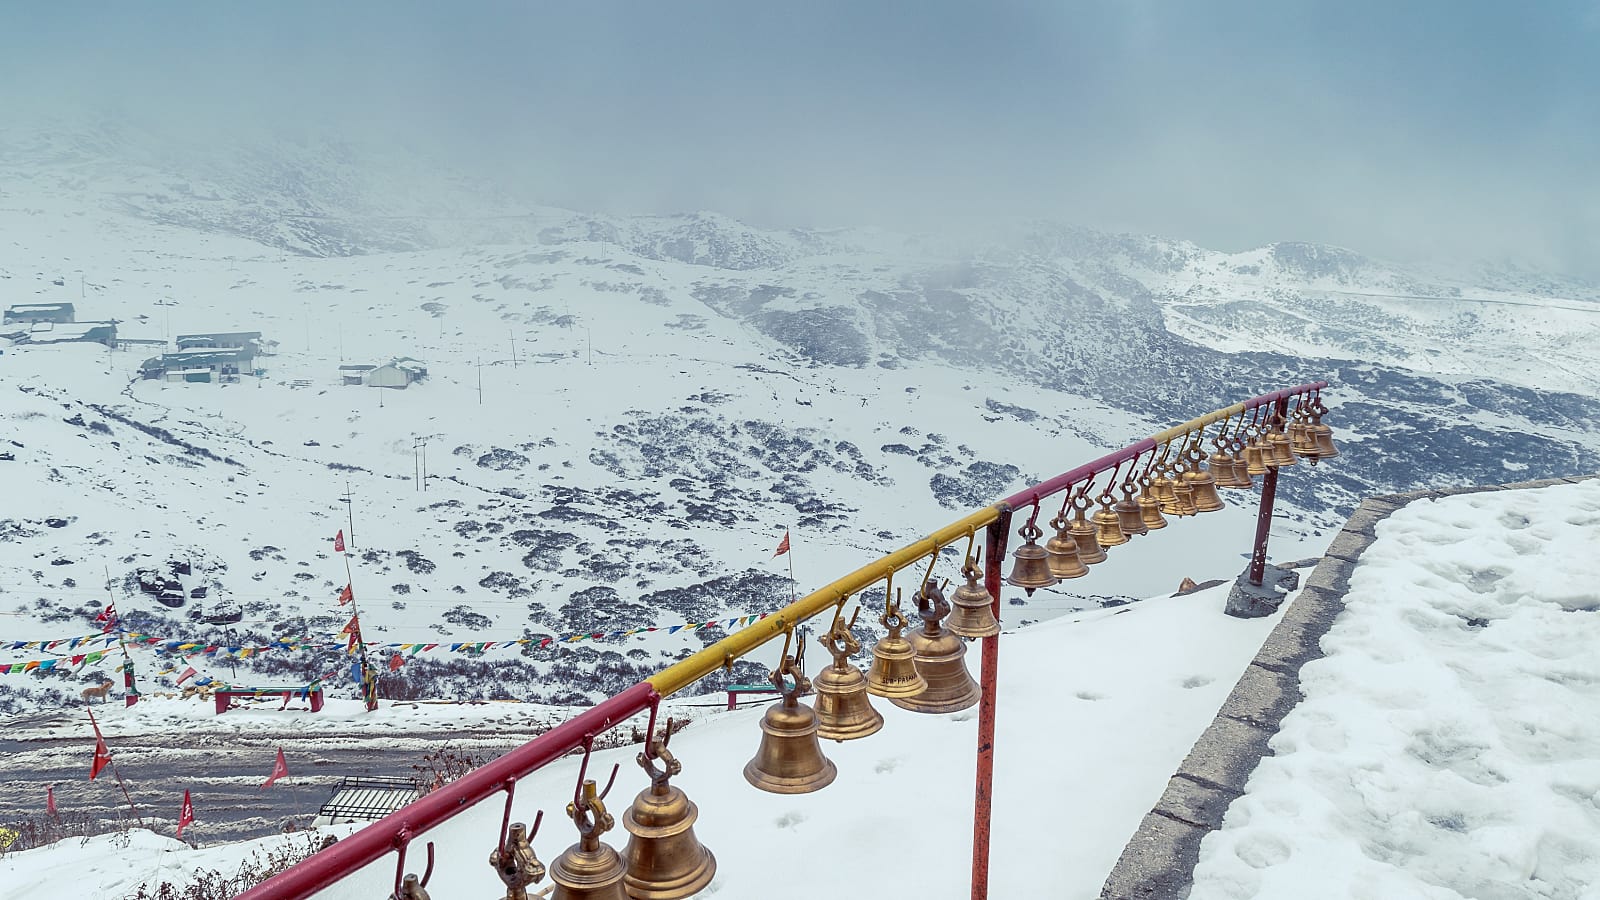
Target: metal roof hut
x=40, y=312
x=398, y=373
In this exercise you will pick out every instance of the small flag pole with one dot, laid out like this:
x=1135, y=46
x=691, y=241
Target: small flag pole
x=793, y=585
x=369, y=679
x=130, y=693
x=112, y=762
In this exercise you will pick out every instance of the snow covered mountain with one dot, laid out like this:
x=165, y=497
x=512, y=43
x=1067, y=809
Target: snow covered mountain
x=622, y=415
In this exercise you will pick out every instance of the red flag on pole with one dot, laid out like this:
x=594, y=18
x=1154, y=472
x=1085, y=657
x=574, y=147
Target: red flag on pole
x=102, y=756
x=395, y=662
x=783, y=545
x=185, y=814
x=346, y=595
x=338, y=542
x=50, y=799
x=279, y=770
x=102, y=753
x=353, y=629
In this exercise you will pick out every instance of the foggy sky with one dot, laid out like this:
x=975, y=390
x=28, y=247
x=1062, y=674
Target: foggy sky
x=1399, y=129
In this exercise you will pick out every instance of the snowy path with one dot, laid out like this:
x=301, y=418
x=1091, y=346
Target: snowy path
x=223, y=771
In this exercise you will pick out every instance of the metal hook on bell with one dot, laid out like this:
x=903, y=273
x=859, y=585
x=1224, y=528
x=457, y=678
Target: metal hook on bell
x=513, y=858
x=581, y=793
x=409, y=887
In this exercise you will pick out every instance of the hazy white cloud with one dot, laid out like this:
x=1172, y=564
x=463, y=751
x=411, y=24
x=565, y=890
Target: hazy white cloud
x=1397, y=129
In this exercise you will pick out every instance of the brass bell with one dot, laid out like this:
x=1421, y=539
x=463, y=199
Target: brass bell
x=1299, y=443
x=1182, y=497
x=1149, y=507
x=1031, y=570
x=1277, y=452
x=515, y=863
x=589, y=870
x=1129, y=516
x=1321, y=435
x=843, y=711
x=940, y=660
x=664, y=860
x=1202, y=485
x=1062, y=552
x=1255, y=457
x=1108, y=525
x=790, y=759
x=894, y=673
x=1241, y=466
x=1181, y=501
x=1161, y=486
x=1222, y=467
x=973, y=616
x=1089, y=550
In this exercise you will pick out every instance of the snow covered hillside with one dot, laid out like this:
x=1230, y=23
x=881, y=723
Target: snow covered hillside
x=621, y=416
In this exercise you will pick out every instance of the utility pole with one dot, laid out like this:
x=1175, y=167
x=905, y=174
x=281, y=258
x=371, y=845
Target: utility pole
x=425, y=464
x=416, y=471
x=513, y=349
x=590, y=335
x=350, y=511
x=480, y=381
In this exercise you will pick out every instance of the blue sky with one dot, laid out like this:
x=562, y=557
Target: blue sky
x=1402, y=129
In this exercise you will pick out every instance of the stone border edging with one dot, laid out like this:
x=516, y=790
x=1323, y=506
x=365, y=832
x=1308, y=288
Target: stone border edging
x=1158, y=861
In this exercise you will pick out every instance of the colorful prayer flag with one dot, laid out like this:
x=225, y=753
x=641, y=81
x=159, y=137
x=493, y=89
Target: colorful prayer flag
x=338, y=542
x=346, y=595
x=783, y=545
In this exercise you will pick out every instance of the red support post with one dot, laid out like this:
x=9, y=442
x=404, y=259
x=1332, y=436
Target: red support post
x=1269, y=494
x=994, y=554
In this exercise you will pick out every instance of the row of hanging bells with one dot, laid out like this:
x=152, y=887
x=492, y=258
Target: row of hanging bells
x=663, y=860
x=1185, y=486
x=924, y=671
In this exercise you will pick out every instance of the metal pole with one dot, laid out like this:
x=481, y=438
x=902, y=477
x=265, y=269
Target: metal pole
x=1269, y=493
x=994, y=551
x=350, y=511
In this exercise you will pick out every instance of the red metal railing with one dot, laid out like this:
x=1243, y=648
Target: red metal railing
x=395, y=831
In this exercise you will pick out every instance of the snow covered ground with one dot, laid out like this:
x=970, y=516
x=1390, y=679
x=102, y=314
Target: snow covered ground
x=1096, y=711
x=1448, y=743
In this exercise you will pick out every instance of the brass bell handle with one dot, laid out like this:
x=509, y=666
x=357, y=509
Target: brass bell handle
x=1030, y=532
x=1080, y=503
x=931, y=604
x=892, y=620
